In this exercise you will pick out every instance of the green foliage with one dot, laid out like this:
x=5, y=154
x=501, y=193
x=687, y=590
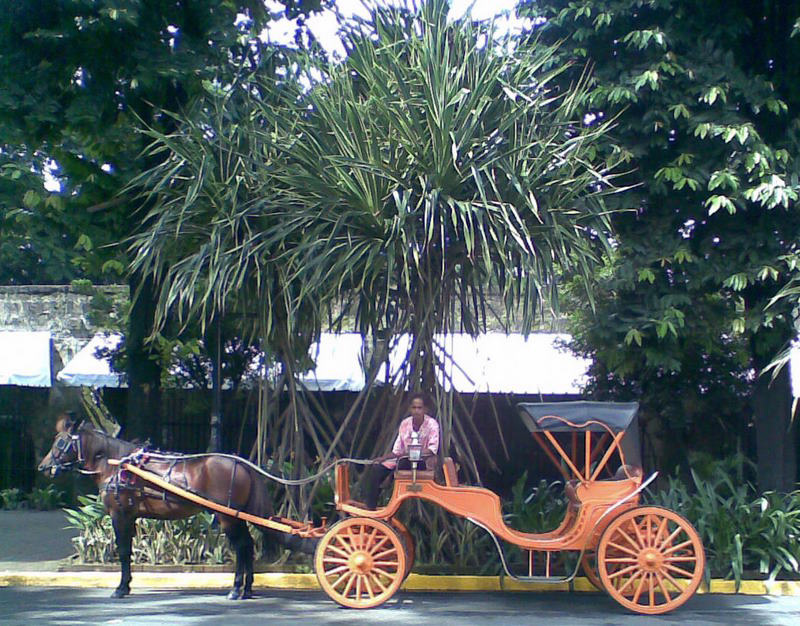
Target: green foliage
x=157, y=542
x=705, y=97
x=11, y=499
x=743, y=532
x=537, y=509
x=45, y=498
x=40, y=498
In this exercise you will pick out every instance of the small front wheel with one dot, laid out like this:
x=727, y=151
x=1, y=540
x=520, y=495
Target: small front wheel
x=650, y=560
x=360, y=562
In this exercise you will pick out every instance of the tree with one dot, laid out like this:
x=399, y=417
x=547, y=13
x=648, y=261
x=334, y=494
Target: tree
x=706, y=98
x=77, y=78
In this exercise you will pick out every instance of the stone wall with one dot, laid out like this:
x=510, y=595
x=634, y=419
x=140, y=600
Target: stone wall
x=69, y=313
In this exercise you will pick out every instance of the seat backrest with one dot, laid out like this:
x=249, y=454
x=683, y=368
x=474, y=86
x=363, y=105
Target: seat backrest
x=628, y=471
x=450, y=474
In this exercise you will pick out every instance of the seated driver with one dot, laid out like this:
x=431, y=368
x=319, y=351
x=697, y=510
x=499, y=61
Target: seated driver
x=427, y=432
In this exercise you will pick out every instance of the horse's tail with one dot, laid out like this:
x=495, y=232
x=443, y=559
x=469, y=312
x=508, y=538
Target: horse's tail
x=260, y=504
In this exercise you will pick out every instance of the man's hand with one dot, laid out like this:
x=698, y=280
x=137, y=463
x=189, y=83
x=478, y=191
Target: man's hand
x=383, y=458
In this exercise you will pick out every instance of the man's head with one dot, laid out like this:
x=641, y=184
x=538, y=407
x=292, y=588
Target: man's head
x=419, y=405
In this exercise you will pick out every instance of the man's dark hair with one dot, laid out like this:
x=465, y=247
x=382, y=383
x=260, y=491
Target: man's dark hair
x=426, y=399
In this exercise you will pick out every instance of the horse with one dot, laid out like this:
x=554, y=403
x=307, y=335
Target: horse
x=221, y=478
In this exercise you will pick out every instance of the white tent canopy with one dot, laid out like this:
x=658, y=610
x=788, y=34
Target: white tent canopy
x=90, y=368
x=25, y=358
x=501, y=363
x=338, y=363
x=494, y=362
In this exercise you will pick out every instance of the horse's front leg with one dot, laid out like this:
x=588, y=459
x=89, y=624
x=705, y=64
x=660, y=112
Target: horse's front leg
x=124, y=528
x=242, y=544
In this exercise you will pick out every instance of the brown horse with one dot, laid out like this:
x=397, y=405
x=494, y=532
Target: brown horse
x=220, y=478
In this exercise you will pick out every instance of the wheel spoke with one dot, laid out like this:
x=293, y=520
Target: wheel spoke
x=337, y=570
x=622, y=572
x=621, y=559
x=678, y=570
x=637, y=594
x=344, y=577
x=638, y=531
x=613, y=544
x=385, y=553
x=674, y=582
x=338, y=551
x=336, y=559
x=662, y=526
x=377, y=581
x=630, y=581
x=368, y=586
x=663, y=586
x=378, y=544
x=669, y=539
x=358, y=587
x=345, y=542
x=651, y=588
x=678, y=546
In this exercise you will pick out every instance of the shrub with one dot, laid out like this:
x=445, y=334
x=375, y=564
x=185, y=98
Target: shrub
x=192, y=540
x=45, y=499
x=11, y=498
x=741, y=530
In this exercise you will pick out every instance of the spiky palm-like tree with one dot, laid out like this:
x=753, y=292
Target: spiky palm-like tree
x=435, y=164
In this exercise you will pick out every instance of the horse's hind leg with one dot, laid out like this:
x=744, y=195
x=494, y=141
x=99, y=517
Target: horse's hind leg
x=124, y=527
x=242, y=544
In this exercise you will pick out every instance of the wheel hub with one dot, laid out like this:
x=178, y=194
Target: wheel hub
x=360, y=562
x=650, y=559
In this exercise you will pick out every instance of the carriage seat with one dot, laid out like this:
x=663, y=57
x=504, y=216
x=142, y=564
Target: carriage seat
x=625, y=472
x=450, y=473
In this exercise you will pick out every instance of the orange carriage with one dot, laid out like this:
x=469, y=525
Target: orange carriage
x=649, y=559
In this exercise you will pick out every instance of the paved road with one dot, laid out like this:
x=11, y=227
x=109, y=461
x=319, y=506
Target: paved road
x=26, y=605
x=34, y=539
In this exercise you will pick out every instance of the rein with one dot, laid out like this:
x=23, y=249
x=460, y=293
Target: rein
x=135, y=458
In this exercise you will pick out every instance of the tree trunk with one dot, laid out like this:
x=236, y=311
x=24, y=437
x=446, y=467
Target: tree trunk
x=144, y=373
x=776, y=433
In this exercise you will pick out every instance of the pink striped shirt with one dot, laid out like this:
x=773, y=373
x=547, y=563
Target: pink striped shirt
x=428, y=437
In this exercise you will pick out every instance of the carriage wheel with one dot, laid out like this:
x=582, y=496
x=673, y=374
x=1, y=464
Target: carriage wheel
x=360, y=562
x=589, y=567
x=408, y=544
x=650, y=560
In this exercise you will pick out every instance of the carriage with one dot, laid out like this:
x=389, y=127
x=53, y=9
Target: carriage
x=647, y=558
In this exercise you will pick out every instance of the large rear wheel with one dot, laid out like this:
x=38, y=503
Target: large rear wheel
x=408, y=544
x=360, y=562
x=650, y=560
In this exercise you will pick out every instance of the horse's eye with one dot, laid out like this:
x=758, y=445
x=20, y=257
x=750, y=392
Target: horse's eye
x=61, y=444
x=98, y=456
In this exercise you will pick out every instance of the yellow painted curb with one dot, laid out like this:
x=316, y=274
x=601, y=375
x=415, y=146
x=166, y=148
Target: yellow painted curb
x=415, y=582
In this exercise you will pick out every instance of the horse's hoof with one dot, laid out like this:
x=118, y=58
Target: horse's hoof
x=235, y=594
x=120, y=592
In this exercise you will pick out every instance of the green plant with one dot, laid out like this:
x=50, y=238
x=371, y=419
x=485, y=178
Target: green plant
x=11, y=499
x=157, y=542
x=45, y=499
x=741, y=530
x=539, y=509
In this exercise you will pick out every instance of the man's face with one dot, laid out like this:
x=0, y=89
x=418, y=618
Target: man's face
x=417, y=408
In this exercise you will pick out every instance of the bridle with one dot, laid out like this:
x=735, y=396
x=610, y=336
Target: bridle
x=64, y=444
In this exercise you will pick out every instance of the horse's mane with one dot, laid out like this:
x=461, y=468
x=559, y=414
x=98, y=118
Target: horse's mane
x=114, y=448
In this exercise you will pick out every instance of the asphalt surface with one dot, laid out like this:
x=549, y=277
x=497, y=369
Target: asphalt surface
x=34, y=540
x=26, y=605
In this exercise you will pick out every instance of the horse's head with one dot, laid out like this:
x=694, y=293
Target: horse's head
x=66, y=452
